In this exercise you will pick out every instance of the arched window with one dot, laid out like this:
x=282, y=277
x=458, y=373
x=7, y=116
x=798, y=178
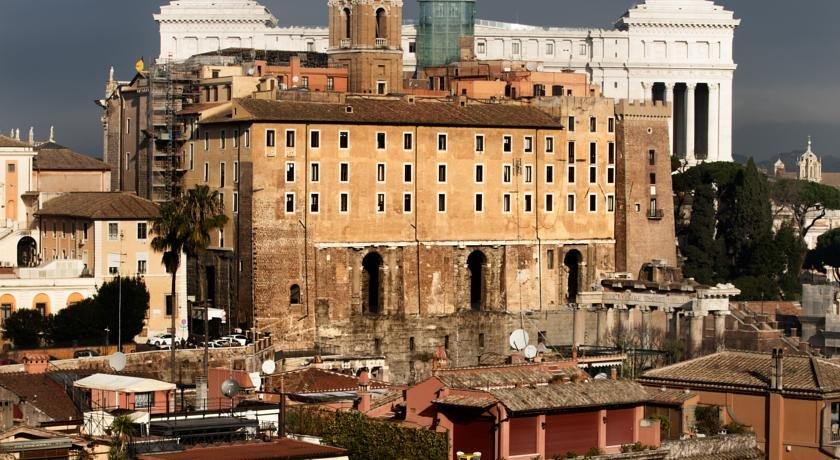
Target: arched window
x=294, y=295
x=372, y=283
x=74, y=298
x=381, y=23
x=27, y=250
x=41, y=303
x=347, y=23
x=7, y=306
x=475, y=263
x=572, y=263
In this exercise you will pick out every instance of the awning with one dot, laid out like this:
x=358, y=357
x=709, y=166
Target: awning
x=122, y=383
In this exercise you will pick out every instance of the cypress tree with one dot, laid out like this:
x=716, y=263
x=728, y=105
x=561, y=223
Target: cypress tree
x=699, y=246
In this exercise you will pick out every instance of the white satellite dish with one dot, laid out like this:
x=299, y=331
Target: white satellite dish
x=601, y=376
x=117, y=361
x=519, y=339
x=230, y=388
x=530, y=352
x=269, y=366
x=530, y=66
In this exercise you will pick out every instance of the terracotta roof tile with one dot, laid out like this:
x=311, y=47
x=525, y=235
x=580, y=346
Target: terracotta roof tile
x=669, y=397
x=54, y=157
x=278, y=449
x=392, y=112
x=100, y=206
x=6, y=141
x=502, y=376
x=475, y=401
x=42, y=392
x=315, y=380
x=595, y=393
x=749, y=371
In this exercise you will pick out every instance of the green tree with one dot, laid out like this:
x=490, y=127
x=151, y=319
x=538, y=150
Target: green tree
x=826, y=254
x=184, y=226
x=122, y=431
x=25, y=328
x=807, y=202
x=699, y=247
x=745, y=219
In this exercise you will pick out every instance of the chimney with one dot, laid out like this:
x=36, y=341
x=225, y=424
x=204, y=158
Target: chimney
x=614, y=373
x=36, y=363
x=364, y=394
x=777, y=370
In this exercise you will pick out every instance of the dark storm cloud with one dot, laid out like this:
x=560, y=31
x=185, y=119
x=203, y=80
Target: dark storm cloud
x=55, y=55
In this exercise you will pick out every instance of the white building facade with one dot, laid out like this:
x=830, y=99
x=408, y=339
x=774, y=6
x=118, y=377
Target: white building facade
x=679, y=51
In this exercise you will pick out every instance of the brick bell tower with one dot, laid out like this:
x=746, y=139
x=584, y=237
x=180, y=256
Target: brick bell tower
x=366, y=37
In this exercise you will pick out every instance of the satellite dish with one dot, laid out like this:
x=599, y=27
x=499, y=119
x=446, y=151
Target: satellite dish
x=117, y=361
x=530, y=66
x=269, y=366
x=230, y=388
x=601, y=376
x=530, y=352
x=518, y=339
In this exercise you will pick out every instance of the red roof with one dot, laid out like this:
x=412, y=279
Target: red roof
x=315, y=380
x=280, y=449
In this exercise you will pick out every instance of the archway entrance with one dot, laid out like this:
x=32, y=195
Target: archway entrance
x=572, y=263
x=372, y=283
x=475, y=263
x=27, y=251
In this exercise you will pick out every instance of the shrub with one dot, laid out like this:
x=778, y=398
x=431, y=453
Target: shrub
x=707, y=420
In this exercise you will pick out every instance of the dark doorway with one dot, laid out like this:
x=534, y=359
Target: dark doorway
x=659, y=92
x=27, y=252
x=372, y=283
x=572, y=262
x=476, y=262
x=210, y=273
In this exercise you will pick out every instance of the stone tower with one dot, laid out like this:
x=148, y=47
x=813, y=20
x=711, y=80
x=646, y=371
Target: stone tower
x=366, y=37
x=810, y=165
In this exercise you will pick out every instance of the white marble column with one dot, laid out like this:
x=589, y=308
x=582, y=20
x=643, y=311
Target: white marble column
x=690, y=98
x=669, y=99
x=714, y=122
x=647, y=91
x=725, y=120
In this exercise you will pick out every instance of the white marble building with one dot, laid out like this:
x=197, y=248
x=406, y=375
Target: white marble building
x=674, y=50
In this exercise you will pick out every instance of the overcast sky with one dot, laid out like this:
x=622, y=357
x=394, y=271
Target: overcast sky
x=55, y=54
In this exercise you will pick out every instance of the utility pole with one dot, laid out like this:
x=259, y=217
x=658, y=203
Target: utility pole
x=206, y=338
x=119, y=295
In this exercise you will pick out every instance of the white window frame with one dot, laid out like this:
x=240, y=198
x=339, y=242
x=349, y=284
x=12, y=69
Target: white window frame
x=145, y=231
x=548, y=198
x=411, y=200
x=445, y=203
x=384, y=203
x=445, y=173
x=504, y=138
x=610, y=200
x=311, y=133
x=314, y=172
x=507, y=203
x=549, y=141
x=286, y=139
x=345, y=211
x=592, y=199
x=286, y=172
x=384, y=141
x=483, y=144
x=348, y=140
x=410, y=136
x=475, y=203
x=340, y=181
x=573, y=209
x=383, y=178
x=528, y=174
x=445, y=138
x=236, y=172
x=111, y=236
x=286, y=203
x=410, y=167
x=525, y=147
x=507, y=167
x=551, y=176
x=479, y=166
x=274, y=135
x=317, y=199
x=247, y=138
x=525, y=197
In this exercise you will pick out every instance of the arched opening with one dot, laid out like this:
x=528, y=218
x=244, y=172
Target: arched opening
x=7, y=306
x=372, y=283
x=347, y=25
x=74, y=298
x=27, y=251
x=41, y=303
x=294, y=294
x=475, y=263
x=381, y=23
x=572, y=262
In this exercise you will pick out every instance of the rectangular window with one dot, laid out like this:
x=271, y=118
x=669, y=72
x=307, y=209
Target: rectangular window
x=236, y=172
x=611, y=125
x=236, y=138
x=610, y=203
x=343, y=202
x=380, y=141
x=593, y=124
x=128, y=126
x=652, y=157
x=441, y=143
x=380, y=173
x=652, y=178
x=291, y=137
x=441, y=177
x=222, y=174
x=304, y=82
x=114, y=263
x=314, y=203
x=529, y=144
x=549, y=144
x=142, y=230
x=344, y=173
x=571, y=125
x=441, y=201
x=407, y=203
x=168, y=304
x=479, y=202
x=290, y=203
x=549, y=202
x=549, y=259
x=290, y=172
x=507, y=144
x=344, y=139
x=570, y=203
x=113, y=231
x=191, y=157
x=479, y=174
x=481, y=48
x=479, y=143
x=141, y=267
x=529, y=174
x=144, y=400
x=330, y=83
x=247, y=138
x=270, y=140
x=222, y=139
x=206, y=172
x=571, y=164
x=380, y=202
x=593, y=202
x=549, y=49
x=529, y=202
x=408, y=141
x=315, y=139
x=235, y=202
x=506, y=203
x=516, y=48
x=206, y=140
x=408, y=173
x=507, y=174
x=315, y=172
x=549, y=174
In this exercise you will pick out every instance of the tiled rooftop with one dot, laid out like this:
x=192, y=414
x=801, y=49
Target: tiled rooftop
x=595, y=393
x=100, y=206
x=54, y=157
x=6, y=141
x=480, y=378
x=315, y=380
x=42, y=392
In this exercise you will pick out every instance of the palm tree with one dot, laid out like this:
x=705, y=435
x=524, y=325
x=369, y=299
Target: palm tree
x=183, y=226
x=122, y=430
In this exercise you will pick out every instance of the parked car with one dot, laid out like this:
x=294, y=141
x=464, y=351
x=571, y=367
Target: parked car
x=238, y=338
x=226, y=343
x=161, y=340
x=84, y=354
